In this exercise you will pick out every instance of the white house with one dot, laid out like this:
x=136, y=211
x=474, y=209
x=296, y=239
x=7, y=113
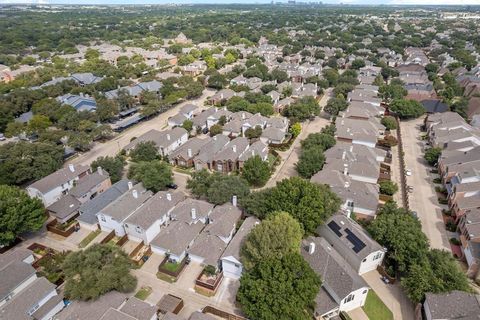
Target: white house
x=352, y=242
x=342, y=288
x=145, y=223
x=113, y=216
x=230, y=259
x=50, y=188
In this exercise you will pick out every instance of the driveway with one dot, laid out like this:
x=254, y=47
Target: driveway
x=392, y=296
x=423, y=199
x=113, y=146
x=286, y=168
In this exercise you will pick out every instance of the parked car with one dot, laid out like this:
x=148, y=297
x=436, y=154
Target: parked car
x=172, y=186
x=415, y=214
x=2, y=137
x=408, y=172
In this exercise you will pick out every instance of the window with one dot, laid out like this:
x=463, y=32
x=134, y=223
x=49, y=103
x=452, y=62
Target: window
x=349, y=298
x=377, y=256
x=33, y=309
x=350, y=204
x=102, y=217
x=138, y=229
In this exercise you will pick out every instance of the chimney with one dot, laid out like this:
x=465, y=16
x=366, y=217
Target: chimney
x=344, y=153
x=189, y=152
x=135, y=194
x=100, y=171
x=345, y=169
x=169, y=196
x=130, y=185
x=168, y=136
x=71, y=167
x=234, y=148
x=347, y=184
x=311, y=248
x=243, y=115
x=194, y=213
x=234, y=201
x=351, y=148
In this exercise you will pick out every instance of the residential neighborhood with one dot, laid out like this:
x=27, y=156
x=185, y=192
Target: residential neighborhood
x=283, y=160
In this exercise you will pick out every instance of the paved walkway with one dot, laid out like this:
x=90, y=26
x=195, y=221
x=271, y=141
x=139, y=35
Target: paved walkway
x=358, y=314
x=392, y=296
x=423, y=199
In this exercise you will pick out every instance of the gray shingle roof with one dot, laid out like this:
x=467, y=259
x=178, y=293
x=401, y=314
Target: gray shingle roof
x=194, y=145
x=161, y=138
x=14, y=272
x=154, y=208
x=17, y=308
x=208, y=150
x=127, y=203
x=85, y=184
x=88, y=211
x=64, y=207
x=342, y=245
x=233, y=249
x=59, y=177
x=91, y=310
x=201, y=316
x=139, y=309
x=183, y=210
x=232, y=150
x=338, y=277
x=177, y=236
x=453, y=305
x=114, y=314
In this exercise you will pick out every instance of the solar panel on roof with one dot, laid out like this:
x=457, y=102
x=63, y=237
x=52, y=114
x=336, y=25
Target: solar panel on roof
x=335, y=228
x=358, y=244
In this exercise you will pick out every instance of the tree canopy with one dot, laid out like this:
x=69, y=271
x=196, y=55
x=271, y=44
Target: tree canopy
x=256, y=171
x=113, y=165
x=311, y=204
x=275, y=237
x=18, y=213
x=216, y=187
x=279, y=289
x=97, y=270
x=155, y=175
x=432, y=155
x=144, y=151
x=302, y=109
x=407, y=108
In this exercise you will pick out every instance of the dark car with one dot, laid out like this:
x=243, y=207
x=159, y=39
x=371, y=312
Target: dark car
x=172, y=186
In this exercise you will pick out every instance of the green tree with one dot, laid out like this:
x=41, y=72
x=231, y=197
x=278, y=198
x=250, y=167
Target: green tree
x=23, y=161
x=392, y=91
x=357, y=64
x=215, y=129
x=439, y=273
x=217, y=81
x=389, y=122
x=388, y=187
x=302, y=109
x=155, y=175
x=252, y=133
x=311, y=204
x=216, y=187
x=144, y=151
x=401, y=234
x=432, y=155
x=18, y=213
x=335, y=105
x=256, y=171
x=187, y=125
x=279, y=289
x=97, y=270
x=275, y=237
x=113, y=165
x=39, y=123
x=407, y=108
x=310, y=162
x=295, y=129
x=323, y=140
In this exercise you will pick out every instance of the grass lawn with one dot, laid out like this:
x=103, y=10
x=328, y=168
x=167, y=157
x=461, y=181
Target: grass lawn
x=143, y=293
x=375, y=308
x=89, y=238
x=172, y=267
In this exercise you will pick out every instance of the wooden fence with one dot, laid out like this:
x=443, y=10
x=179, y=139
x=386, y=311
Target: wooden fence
x=109, y=237
x=209, y=286
x=222, y=314
x=403, y=180
x=52, y=227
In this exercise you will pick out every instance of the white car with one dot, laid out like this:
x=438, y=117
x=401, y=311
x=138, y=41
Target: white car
x=2, y=137
x=408, y=172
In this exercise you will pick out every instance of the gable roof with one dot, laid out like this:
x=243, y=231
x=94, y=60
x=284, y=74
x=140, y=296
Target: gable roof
x=453, y=305
x=85, y=184
x=92, y=309
x=88, y=211
x=58, y=178
x=127, y=203
x=138, y=309
x=233, y=248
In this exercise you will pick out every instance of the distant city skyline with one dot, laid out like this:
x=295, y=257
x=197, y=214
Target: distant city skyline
x=348, y=2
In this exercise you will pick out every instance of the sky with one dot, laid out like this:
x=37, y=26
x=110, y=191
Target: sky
x=357, y=2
